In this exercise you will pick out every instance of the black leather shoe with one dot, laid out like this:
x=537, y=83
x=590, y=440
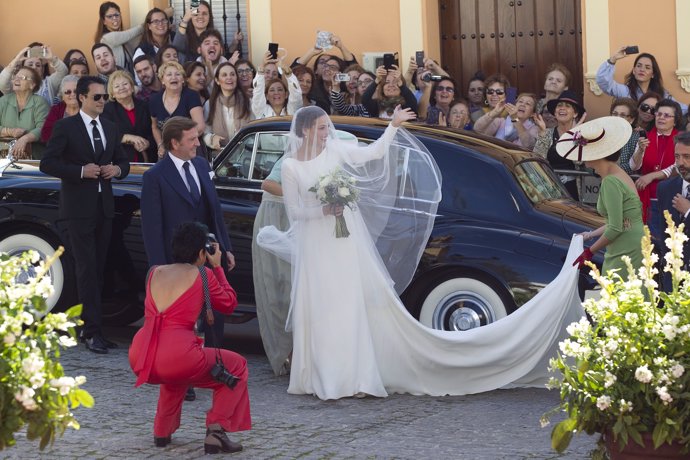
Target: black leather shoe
x=217, y=441
x=190, y=395
x=162, y=442
x=96, y=345
x=109, y=343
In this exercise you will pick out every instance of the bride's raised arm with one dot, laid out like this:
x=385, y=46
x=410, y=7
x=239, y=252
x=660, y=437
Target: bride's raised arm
x=356, y=155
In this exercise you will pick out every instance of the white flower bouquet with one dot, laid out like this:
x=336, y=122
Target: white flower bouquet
x=34, y=390
x=337, y=188
x=627, y=374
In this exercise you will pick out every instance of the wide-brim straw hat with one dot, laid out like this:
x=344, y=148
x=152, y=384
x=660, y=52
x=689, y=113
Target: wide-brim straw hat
x=595, y=139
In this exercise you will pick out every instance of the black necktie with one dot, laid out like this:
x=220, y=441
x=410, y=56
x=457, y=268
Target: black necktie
x=97, y=141
x=193, y=189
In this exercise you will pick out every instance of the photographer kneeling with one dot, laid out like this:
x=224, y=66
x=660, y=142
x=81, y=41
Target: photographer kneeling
x=166, y=351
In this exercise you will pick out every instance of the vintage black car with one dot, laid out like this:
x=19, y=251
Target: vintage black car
x=502, y=232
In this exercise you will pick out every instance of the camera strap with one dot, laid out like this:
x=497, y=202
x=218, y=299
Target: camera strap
x=206, y=314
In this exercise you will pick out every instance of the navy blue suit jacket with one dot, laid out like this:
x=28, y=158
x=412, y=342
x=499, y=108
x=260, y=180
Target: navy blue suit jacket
x=665, y=192
x=166, y=203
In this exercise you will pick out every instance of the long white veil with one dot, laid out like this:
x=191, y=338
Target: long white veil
x=398, y=181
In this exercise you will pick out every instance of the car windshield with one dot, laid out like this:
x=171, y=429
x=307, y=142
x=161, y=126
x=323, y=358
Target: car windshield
x=539, y=182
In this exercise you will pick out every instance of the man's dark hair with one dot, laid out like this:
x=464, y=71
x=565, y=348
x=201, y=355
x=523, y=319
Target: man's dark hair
x=210, y=33
x=83, y=85
x=187, y=240
x=144, y=57
x=101, y=45
x=682, y=138
x=173, y=128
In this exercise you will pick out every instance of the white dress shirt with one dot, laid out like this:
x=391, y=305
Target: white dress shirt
x=179, y=164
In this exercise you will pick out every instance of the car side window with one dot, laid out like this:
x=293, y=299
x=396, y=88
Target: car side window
x=269, y=150
x=238, y=162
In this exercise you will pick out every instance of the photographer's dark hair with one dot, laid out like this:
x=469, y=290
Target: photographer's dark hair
x=614, y=157
x=187, y=240
x=84, y=83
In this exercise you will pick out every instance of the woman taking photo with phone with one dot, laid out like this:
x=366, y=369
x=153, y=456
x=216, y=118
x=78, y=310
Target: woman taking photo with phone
x=386, y=92
x=275, y=97
x=645, y=76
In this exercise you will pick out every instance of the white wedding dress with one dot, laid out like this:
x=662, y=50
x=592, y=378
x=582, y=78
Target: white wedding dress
x=353, y=335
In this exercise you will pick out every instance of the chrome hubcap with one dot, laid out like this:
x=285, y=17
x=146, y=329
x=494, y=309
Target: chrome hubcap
x=462, y=311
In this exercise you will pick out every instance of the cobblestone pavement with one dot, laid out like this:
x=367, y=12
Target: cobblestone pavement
x=502, y=424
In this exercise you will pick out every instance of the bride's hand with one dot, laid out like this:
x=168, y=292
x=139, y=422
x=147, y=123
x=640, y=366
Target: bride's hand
x=333, y=210
x=400, y=115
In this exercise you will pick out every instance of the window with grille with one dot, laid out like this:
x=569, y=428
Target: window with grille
x=224, y=18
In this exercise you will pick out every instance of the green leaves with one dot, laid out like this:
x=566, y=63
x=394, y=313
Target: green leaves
x=34, y=391
x=562, y=434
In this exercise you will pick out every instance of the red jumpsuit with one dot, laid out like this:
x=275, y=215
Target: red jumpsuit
x=166, y=351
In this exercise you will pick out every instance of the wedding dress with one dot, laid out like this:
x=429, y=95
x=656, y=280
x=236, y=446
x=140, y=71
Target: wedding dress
x=351, y=332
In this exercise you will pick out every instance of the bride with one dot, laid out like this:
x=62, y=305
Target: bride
x=352, y=334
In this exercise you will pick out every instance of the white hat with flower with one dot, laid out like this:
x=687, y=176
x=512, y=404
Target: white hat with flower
x=595, y=139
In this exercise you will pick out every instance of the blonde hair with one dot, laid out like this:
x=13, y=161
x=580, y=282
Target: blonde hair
x=166, y=65
x=114, y=76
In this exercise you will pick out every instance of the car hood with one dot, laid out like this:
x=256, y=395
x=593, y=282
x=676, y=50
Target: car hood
x=575, y=217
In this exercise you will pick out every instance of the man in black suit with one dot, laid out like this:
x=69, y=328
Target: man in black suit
x=674, y=196
x=85, y=152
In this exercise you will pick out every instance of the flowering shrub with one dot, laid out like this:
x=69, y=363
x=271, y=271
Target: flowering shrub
x=629, y=371
x=34, y=392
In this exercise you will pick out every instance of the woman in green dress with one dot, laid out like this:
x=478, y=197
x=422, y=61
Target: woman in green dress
x=597, y=143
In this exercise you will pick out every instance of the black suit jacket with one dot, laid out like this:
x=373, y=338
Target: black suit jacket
x=114, y=112
x=665, y=192
x=69, y=149
x=166, y=203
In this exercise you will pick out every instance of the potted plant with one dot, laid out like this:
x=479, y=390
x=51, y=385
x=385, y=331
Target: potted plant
x=626, y=374
x=34, y=391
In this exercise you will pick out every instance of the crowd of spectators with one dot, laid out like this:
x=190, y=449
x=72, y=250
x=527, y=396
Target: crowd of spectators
x=171, y=66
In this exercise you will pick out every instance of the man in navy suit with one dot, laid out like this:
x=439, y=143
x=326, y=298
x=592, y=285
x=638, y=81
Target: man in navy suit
x=179, y=189
x=85, y=152
x=674, y=196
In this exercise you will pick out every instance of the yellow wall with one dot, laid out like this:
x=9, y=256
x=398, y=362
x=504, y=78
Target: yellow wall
x=62, y=24
x=362, y=25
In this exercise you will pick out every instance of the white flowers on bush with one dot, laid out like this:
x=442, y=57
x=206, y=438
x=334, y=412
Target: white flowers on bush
x=643, y=374
x=25, y=395
x=677, y=370
x=64, y=384
x=603, y=402
x=664, y=395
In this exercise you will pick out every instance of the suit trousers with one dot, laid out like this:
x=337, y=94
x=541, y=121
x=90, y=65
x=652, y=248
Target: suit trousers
x=89, y=239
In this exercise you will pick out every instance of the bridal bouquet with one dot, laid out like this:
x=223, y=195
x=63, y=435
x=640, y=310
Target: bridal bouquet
x=337, y=188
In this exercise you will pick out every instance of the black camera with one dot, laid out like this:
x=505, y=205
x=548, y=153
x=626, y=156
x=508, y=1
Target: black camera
x=429, y=77
x=220, y=374
x=210, y=239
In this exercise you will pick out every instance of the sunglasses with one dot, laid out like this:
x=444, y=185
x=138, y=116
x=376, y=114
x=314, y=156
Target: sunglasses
x=98, y=97
x=646, y=108
x=664, y=115
x=447, y=89
x=498, y=92
x=67, y=92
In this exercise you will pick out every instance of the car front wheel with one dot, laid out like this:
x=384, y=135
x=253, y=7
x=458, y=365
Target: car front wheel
x=19, y=243
x=460, y=304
